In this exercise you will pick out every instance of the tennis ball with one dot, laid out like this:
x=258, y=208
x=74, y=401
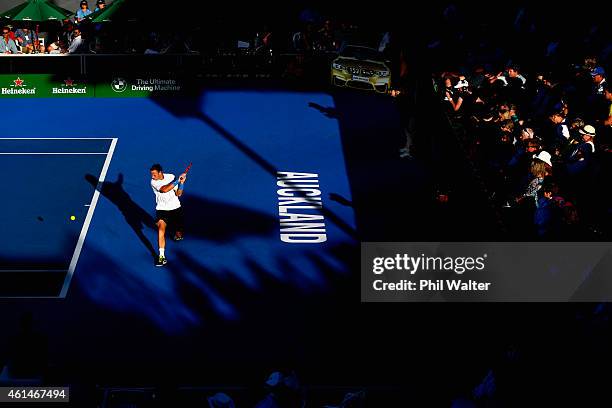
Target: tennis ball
x=72, y=217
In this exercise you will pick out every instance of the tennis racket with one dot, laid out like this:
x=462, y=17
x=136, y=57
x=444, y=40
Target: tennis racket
x=187, y=169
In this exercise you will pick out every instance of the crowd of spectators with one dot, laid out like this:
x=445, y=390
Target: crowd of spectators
x=302, y=31
x=542, y=142
x=321, y=36
x=65, y=37
x=540, y=137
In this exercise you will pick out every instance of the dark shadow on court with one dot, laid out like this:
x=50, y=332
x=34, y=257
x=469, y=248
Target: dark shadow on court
x=285, y=307
x=190, y=107
x=137, y=218
x=25, y=357
x=340, y=199
x=222, y=222
x=218, y=311
x=327, y=111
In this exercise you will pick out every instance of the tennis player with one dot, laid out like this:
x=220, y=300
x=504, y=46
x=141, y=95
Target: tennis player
x=167, y=191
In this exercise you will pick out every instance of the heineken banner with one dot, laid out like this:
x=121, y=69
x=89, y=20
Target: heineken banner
x=43, y=86
x=52, y=86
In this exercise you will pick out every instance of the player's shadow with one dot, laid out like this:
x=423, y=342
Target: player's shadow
x=134, y=215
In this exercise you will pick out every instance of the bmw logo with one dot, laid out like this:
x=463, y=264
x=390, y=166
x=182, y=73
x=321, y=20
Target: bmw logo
x=119, y=85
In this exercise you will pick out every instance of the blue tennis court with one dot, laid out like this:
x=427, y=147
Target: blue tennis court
x=238, y=141
x=233, y=277
x=47, y=216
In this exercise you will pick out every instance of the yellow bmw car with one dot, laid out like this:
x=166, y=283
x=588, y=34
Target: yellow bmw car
x=362, y=68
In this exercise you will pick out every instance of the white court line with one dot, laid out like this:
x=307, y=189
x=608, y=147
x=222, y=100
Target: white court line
x=92, y=207
x=32, y=270
x=26, y=153
x=29, y=297
x=56, y=138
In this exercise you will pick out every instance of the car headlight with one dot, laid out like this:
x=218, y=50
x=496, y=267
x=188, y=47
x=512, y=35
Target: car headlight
x=383, y=73
x=335, y=65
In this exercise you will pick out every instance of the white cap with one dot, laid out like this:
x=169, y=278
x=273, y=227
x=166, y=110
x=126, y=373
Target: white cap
x=544, y=156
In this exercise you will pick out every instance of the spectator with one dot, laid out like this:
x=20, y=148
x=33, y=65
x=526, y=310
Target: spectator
x=57, y=47
x=67, y=29
x=77, y=46
x=518, y=167
x=541, y=167
x=524, y=145
x=263, y=41
x=516, y=85
x=326, y=37
x=561, y=135
x=220, y=400
x=607, y=93
x=547, y=95
x=351, y=400
x=100, y=4
x=384, y=42
x=7, y=45
x=83, y=12
x=513, y=73
x=298, y=41
x=26, y=39
x=575, y=127
x=284, y=392
x=599, y=80
x=547, y=216
x=11, y=33
x=511, y=77
x=588, y=136
x=580, y=158
x=451, y=96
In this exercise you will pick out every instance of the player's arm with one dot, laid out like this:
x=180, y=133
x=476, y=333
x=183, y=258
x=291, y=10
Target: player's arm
x=167, y=187
x=179, y=190
x=170, y=186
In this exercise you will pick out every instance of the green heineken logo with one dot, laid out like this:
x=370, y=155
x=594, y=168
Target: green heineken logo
x=18, y=87
x=69, y=87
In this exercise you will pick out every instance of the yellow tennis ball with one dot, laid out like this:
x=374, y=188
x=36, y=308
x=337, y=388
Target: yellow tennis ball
x=72, y=217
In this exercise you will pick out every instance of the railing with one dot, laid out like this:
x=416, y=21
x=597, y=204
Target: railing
x=87, y=64
x=95, y=65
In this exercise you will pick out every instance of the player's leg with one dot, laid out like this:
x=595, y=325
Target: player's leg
x=161, y=239
x=161, y=235
x=178, y=224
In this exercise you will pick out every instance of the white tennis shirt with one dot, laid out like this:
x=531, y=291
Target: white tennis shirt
x=165, y=201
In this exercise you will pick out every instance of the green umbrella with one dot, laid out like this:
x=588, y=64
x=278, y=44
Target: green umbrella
x=36, y=10
x=107, y=13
